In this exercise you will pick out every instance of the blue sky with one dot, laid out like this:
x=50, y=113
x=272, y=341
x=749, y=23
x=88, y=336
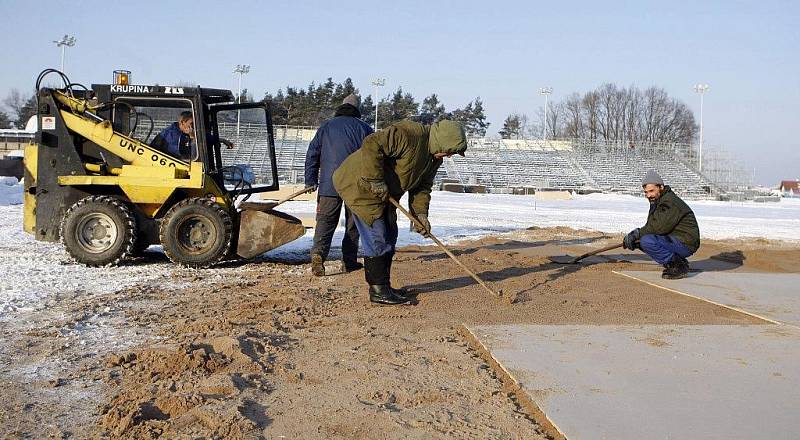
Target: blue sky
x=501, y=51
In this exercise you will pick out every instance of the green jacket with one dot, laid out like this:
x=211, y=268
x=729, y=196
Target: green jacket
x=401, y=156
x=670, y=215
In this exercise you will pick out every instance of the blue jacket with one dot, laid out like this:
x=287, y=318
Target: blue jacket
x=170, y=141
x=336, y=139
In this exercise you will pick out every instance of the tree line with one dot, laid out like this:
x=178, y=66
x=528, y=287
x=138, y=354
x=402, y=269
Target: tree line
x=317, y=102
x=610, y=112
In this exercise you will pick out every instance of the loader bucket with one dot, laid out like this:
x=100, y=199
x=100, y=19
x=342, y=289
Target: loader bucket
x=264, y=230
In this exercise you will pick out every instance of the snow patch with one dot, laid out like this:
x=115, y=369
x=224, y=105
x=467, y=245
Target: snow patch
x=10, y=191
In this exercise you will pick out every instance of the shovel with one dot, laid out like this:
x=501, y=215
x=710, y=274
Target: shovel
x=262, y=229
x=567, y=259
x=439, y=243
x=257, y=206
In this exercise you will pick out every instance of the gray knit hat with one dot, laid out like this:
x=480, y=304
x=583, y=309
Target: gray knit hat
x=352, y=99
x=652, y=177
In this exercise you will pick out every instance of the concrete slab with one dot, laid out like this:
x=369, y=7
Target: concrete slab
x=773, y=296
x=655, y=382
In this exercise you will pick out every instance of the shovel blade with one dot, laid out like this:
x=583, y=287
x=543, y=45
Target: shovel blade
x=262, y=231
x=564, y=259
x=258, y=206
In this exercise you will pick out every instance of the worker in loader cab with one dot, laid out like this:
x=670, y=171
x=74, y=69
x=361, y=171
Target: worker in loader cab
x=177, y=140
x=403, y=157
x=335, y=140
x=671, y=233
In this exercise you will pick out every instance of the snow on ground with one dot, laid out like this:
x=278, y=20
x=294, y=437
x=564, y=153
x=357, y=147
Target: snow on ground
x=10, y=191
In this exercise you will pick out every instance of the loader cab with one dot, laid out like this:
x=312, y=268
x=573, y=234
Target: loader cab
x=248, y=167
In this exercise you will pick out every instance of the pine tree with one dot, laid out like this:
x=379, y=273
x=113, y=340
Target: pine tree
x=343, y=90
x=478, y=124
x=512, y=127
x=323, y=95
x=473, y=118
x=400, y=106
x=25, y=113
x=311, y=105
x=432, y=110
x=367, y=110
x=5, y=121
x=462, y=115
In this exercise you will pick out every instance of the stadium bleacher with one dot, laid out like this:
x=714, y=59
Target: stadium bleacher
x=498, y=164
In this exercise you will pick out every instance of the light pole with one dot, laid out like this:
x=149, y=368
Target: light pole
x=546, y=91
x=241, y=69
x=377, y=82
x=65, y=42
x=701, y=89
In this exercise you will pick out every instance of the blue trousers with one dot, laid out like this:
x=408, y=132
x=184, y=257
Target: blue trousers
x=662, y=248
x=380, y=238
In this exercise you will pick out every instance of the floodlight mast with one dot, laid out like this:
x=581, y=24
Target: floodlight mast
x=65, y=42
x=546, y=91
x=701, y=89
x=377, y=82
x=241, y=69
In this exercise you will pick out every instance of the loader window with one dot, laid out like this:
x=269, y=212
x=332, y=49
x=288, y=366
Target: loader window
x=152, y=118
x=250, y=162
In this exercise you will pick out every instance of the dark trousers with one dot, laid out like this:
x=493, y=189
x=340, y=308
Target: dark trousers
x=328, y=210
x=380, y=238
x=663, y=248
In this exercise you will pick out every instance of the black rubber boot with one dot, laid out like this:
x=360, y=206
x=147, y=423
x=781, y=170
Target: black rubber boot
x=401, y=292
x=377, y=276
x=384, y=295
x=676, y=269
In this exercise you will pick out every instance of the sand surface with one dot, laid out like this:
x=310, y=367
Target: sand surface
x=277, y=353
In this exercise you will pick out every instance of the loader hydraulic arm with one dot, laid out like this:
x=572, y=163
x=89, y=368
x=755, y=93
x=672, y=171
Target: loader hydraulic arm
x=79, y=118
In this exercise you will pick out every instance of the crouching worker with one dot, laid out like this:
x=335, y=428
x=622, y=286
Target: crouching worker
x=671, y=233
x=403, y=157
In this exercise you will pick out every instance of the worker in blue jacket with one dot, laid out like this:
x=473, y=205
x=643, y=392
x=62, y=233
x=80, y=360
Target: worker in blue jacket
x=177, y=139
x=335, y=139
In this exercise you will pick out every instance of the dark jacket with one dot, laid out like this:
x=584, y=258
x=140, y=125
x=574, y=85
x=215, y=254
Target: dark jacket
x=402, y=156
x=172, y=141
x=670, y=215
x=336, y=139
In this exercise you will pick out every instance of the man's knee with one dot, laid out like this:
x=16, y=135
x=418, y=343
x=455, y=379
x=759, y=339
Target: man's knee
x=649, y=242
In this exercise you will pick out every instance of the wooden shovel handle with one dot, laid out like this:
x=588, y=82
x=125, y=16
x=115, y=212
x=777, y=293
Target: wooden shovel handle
x=598, y=251
x=441, y=245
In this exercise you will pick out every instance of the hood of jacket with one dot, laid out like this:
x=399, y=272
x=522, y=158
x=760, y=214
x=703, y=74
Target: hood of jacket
x=447, y=137
x=348, y=110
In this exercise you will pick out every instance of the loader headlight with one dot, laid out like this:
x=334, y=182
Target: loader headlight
x=122, y=77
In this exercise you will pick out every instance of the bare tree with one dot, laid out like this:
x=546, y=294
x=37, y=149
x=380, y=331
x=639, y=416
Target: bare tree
x=22, y=107
x=622, y=114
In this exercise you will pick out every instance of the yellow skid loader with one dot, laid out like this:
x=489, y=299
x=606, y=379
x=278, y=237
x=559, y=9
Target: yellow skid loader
x=110, y=174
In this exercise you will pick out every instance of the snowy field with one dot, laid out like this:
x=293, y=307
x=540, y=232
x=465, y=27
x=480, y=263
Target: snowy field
x=35, y=271
x=465, y=216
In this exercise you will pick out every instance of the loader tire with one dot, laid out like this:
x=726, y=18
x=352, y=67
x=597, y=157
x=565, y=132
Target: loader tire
x=99, y=231
x=196, y=232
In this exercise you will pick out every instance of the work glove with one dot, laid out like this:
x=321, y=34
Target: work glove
x=379, y=189
x=629, y=242
x=312, y=188
x=425, y=230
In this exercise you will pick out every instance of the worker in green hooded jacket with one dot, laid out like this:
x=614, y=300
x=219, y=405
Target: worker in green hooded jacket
x=403, y=157
x=671, y=233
